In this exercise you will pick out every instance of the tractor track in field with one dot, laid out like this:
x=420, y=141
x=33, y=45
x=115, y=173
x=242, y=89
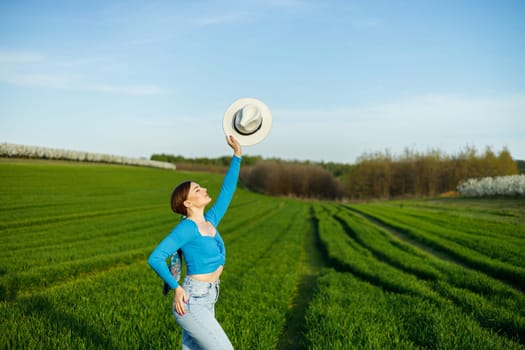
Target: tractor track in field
x=312, y=261
x=437, y=253
x=405, y=238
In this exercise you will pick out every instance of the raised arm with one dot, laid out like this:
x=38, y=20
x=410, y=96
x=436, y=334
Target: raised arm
x=229, y=184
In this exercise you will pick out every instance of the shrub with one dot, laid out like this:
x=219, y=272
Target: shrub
x=277, y=178
x=509, y=186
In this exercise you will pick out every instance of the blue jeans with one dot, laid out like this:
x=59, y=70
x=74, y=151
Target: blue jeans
x=200, y=329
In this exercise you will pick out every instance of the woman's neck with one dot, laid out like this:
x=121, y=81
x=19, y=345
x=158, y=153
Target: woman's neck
x=197, y=217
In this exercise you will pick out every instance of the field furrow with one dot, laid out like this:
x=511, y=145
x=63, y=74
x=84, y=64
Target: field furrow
x=503, y=270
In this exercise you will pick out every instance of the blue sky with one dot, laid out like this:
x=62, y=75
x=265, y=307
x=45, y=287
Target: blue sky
x=342, y=78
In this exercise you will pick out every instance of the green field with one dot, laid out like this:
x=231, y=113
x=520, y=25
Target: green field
x=414, y=274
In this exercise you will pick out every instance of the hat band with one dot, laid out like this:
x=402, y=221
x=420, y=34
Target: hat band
x=246, y=133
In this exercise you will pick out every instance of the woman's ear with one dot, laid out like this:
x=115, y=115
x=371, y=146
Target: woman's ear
x=187, y=203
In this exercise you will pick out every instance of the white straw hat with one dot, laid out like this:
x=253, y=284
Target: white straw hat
x=248, y=120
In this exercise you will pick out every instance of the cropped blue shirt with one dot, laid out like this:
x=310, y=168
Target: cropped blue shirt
x=203, y=254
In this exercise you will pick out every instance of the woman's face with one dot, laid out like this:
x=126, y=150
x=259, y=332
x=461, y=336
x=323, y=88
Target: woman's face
x=198, y=196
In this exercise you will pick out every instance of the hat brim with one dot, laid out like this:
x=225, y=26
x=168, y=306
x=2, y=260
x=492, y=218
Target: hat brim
x=256, y=137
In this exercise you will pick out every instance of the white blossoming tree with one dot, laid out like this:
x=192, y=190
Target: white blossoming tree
x=508, y=186
x=10, y=150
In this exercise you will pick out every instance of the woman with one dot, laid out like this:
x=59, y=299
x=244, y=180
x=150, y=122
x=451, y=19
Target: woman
x=204, y=252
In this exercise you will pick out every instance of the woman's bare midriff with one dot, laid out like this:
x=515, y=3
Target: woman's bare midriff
x=208, y=277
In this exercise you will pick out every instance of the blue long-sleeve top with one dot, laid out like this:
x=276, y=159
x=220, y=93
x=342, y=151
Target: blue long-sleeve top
x=203, y=254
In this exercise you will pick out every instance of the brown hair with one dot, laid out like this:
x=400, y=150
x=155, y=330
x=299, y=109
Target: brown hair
x=178, y=196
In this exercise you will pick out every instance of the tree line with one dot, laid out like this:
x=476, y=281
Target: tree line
x=214, y=165
x=374, y=175
x=383, y=175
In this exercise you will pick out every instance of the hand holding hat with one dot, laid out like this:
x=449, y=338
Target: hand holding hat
x=248, y=120
x=235, y=145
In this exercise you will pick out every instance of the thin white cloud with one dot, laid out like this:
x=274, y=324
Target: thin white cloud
x=34, y=80
x=140, y=90
x=433, y=108
x=285, y=3
x=63, y=82
x=20, y=57
x=84, y=61
x=18, y=64
x=452, y=113
x=219, y=19
x=246, y=11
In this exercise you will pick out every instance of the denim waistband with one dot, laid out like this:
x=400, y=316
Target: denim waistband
x=193, y=282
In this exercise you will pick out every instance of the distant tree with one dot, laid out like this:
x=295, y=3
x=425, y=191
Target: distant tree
x=490, y=166
x=520, y=164
x=279, y=178
x=506, y=165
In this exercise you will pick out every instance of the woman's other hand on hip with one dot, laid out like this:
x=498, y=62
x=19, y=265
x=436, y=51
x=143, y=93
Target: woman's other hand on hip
x=179, y=299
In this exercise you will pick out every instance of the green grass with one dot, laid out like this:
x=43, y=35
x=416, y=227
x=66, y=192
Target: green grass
x=378, y=256
x=348, y=313
x=415, y=274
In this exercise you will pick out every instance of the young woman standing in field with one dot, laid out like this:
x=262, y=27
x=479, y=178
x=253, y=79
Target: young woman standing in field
x=204, y=252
